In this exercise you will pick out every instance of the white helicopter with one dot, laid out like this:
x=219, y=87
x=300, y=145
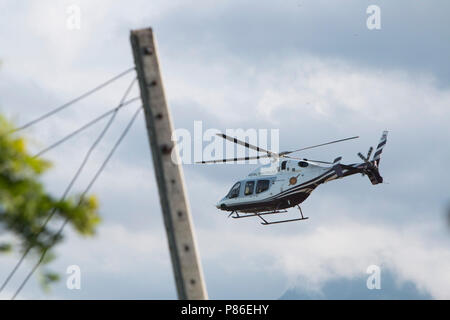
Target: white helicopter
x=287, y=181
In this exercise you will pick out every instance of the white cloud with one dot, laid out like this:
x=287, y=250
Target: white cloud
x=323, y=89
x=130, y=264
x=337, y=249
x=118, y=249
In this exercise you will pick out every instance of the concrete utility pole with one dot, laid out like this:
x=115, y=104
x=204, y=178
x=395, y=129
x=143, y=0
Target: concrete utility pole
x=169, y=175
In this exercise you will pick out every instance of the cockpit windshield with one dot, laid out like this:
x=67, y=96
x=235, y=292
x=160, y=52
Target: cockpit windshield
x=234, y=192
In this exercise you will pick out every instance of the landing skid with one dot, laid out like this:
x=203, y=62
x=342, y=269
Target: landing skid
x=237, y=216
x=265, y=222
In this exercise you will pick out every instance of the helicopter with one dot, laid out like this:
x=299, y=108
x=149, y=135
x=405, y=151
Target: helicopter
x=287, y=181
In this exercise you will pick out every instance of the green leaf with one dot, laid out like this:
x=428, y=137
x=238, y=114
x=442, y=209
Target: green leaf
x=5, y=247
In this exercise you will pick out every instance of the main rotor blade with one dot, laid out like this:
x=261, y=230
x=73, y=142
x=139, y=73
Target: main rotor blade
x=233, y=159
x=245, y=144
x=318, y=145
x=318, y=161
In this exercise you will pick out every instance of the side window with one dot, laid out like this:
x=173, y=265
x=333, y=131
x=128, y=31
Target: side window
x=262, y=185
x=283, y=165
x=249, y=186
x=234, y=192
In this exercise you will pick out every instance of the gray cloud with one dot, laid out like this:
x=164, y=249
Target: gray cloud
x=313, y=71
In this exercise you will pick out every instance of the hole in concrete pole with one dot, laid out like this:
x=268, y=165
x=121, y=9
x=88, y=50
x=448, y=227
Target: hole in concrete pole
x=148, y=51
x=166, y=149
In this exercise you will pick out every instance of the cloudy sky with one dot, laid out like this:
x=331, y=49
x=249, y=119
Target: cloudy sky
x=311, y=69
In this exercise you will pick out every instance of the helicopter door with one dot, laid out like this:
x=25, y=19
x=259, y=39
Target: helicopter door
x=283, y=165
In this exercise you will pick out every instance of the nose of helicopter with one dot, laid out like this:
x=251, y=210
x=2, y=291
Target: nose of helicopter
x=220, y=204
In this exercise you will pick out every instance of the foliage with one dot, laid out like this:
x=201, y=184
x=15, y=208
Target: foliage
x=25, y=204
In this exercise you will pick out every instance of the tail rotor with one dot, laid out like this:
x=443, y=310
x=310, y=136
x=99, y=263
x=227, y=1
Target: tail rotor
x=381, y=144
x=369, y=153
x=371, y=166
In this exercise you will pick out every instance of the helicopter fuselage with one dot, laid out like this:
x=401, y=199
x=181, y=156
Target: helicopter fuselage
x=280, y=185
